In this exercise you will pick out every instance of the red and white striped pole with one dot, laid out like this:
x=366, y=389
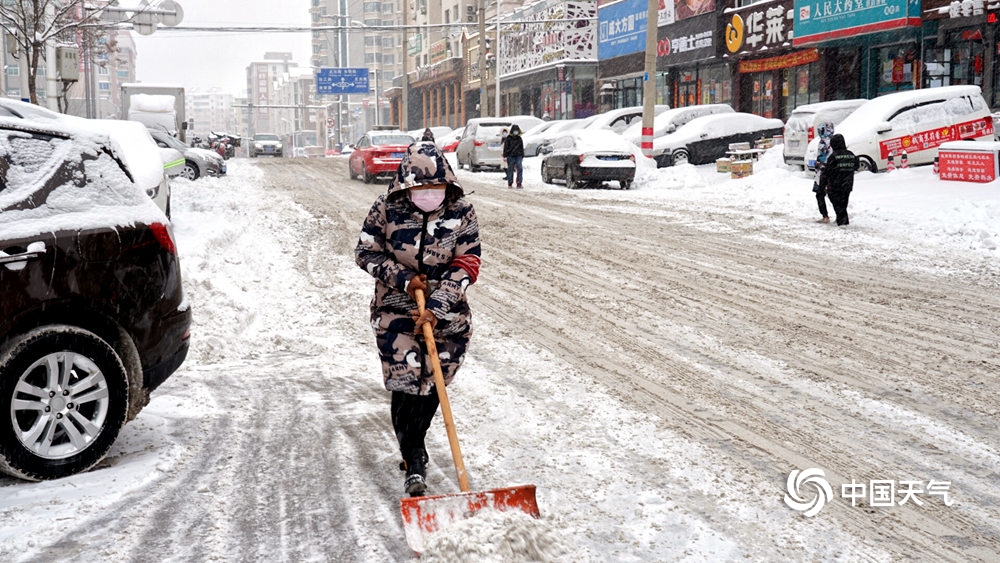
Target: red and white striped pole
x=649, y=78
x=647, y=141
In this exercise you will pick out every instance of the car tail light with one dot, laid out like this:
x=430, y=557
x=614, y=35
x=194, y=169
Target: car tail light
x=478, y=143
x=581, y=159
x=812, y=133
x=631, y=157
x=162, y=234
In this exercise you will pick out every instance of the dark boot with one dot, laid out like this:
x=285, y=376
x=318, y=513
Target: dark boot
x=416, y=473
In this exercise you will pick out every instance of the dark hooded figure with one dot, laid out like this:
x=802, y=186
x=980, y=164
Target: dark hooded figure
x=428, y=135
x=513, y=154
x=837, y=177
x=420, y=234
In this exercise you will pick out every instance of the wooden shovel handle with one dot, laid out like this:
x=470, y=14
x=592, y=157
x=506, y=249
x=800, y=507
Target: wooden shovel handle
x=449, y=422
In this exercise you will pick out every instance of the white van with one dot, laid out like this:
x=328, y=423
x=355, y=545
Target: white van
x=805, y=120
x=916, y=121
x=480, y=145
x=670, y=120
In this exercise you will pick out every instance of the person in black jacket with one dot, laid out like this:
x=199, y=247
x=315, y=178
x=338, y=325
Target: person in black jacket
x=513, y=154
x=837, y=177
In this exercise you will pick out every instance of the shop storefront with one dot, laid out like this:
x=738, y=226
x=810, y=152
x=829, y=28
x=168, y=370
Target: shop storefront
x=880, y=48
x=687, y=70
x=772, y=77
x=621, y=47
x=547, y=62
x=960, y=46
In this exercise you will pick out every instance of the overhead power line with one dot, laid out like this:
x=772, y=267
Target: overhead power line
x=310, y=29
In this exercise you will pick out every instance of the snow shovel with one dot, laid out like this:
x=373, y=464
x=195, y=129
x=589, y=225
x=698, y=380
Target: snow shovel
x=423, y=516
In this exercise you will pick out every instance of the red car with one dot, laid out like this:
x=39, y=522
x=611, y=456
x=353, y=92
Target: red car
x=450, y=141
x=378, y=153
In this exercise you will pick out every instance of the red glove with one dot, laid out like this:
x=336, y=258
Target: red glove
x=420, y=319
x=418, y=281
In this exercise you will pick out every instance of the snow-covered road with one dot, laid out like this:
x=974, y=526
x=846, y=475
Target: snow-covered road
x=656, y=361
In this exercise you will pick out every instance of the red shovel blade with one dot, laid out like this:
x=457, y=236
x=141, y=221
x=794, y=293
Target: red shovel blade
x=423, y=516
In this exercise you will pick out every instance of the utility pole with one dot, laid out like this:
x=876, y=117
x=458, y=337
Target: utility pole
x=649, y=78
x=482, y=59
x=404, y=117
x=496, y=63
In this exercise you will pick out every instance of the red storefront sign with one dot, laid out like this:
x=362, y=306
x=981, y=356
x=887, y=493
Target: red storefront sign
x=779, y=62
x=968, y=166
x=933, y=138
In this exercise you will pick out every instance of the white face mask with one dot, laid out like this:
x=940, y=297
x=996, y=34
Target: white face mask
x=428, y=199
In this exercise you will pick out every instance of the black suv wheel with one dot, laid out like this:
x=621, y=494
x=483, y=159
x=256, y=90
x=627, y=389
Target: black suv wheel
x=63, y=401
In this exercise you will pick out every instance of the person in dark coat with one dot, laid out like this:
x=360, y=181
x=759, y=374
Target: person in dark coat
x=513, y=154
x=837, y=178
x=428, y=135
x=421, y=234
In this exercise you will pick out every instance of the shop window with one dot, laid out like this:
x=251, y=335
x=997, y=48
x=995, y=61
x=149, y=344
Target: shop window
x=800, y=86
x=716, y=84
x=960, y=61
x=897, y=67
x=628, y=93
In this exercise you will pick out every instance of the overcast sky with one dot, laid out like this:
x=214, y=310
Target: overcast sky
x=202, y=60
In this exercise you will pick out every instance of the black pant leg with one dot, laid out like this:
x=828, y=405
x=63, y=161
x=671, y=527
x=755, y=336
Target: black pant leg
x=821, y=201
x=411, y=417
x=839, y=202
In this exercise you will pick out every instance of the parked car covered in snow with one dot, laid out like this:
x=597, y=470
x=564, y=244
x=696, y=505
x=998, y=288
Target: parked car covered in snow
x=534, y=136
x=144, y=160
x=93, y=316
x=198, y=163
x=439, y=132
x=805, y=120
x=668, y=121
x=705, y=139
x=541, y=143
x=917, y=121
x=582, y=158
x=618, y=120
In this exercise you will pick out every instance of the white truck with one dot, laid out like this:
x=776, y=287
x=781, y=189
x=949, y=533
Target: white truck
x=157, y=106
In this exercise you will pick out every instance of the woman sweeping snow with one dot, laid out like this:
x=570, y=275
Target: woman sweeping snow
x=420, y=234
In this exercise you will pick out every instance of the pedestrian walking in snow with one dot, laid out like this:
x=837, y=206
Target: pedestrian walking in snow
x=825, y=131
x=837, y=177
x=420, y=234
x=428, y=135
x=513, y=154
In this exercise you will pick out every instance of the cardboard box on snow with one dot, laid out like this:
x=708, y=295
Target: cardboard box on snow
x=723, y=164
x=741, y=168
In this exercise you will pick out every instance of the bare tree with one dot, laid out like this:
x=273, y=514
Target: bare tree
x=32, y=24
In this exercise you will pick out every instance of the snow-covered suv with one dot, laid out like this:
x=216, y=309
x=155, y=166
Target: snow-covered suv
x=93, y=316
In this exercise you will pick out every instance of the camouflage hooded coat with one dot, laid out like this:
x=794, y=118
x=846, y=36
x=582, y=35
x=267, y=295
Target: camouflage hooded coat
x=399, y=241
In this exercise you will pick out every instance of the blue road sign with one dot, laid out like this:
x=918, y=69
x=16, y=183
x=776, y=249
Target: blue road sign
x=342, y=81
